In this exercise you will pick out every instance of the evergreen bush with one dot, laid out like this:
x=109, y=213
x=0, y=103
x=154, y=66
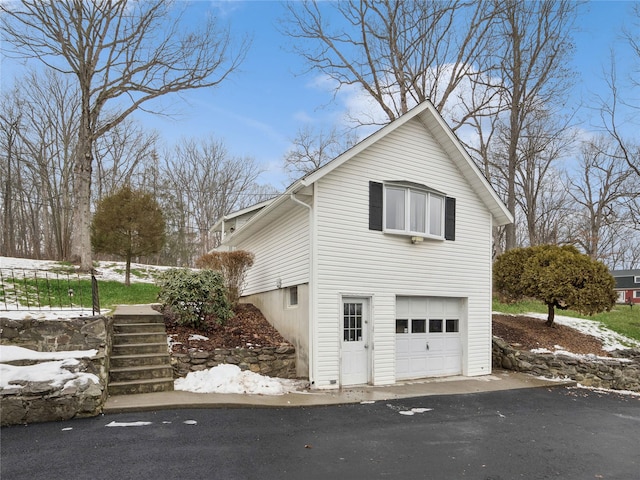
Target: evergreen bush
x=194, y=296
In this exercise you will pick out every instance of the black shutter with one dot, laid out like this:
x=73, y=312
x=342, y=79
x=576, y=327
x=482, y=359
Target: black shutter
x=375, y=206
x=450, y=218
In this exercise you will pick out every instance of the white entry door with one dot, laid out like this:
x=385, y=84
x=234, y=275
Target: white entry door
x=355, y=360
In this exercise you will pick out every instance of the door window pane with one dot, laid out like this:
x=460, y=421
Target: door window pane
x=395, y=208
x=452, y=325
x=417, y=212
x=352, y=322
x=402, y=326
x=435, y=325
x=418, y=326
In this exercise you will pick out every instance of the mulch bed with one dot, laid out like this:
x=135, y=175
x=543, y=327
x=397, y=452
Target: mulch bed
x=247, y=327
x=528, y=333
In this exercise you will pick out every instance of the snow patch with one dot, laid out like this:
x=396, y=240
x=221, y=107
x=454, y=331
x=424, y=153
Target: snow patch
x=231, y=379
x=608, y=390
x=421, y=410
x=194, y=336
x=56, y=374
x=610, y=339
x=128, y=424
x=9, y=353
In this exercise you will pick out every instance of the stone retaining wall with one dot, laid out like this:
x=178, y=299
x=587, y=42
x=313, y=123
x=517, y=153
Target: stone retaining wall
x=621, y=372
x=271, y=361
x=31, y=402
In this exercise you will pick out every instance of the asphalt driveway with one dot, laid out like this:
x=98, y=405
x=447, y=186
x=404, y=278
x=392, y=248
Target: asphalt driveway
x=535, y=433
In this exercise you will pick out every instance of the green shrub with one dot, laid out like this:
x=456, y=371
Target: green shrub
x=559, y=276
x=194, y=296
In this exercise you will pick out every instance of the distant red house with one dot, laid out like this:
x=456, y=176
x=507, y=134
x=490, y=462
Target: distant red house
x=627, y=285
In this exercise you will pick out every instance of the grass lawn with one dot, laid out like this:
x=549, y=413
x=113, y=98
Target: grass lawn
x=622, y=319
x=116, y=293
x=65, y=293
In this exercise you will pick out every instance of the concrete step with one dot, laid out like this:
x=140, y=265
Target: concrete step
x=129, y=338
x=139, y=348
x=141, y=386
x=138, y=318
x=139, y=328
x=139, y=360
x=145, y=372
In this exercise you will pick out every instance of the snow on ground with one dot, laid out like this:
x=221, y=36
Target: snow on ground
x=58, y=372
x=55, y=373
x=10, y=353
x=231, y=379
x=610, y=339
x=49, y=314
x=106, y=270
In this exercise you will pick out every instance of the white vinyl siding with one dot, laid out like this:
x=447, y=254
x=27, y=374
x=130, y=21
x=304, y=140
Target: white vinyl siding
x=353, y=260
x=281, y=253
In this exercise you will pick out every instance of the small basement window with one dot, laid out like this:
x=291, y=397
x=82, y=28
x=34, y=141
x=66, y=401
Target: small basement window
x=292, y=298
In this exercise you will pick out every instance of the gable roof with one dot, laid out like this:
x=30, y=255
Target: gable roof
x=625, y=273
x=427, y=114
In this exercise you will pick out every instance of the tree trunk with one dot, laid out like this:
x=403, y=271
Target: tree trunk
x=8, y=244
x=127, y=274
x=81, y=238
x=551, y=316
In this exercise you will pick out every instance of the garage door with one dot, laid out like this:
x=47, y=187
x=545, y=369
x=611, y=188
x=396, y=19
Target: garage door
x=428, y=341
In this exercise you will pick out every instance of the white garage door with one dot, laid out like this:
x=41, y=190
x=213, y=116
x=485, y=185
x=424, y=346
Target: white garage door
x=428, y=342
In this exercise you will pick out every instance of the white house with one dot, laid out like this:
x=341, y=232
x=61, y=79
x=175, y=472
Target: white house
x=377, y=266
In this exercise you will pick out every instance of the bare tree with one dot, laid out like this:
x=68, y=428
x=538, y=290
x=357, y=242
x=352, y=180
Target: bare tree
x=42, y=156
x=534, y=43
x=205, y=182
x=119, y=153
x=122, y=54
x=312, y=149
x=612, y=110
x=543, y=142
x=400, y=53
x=600, y=192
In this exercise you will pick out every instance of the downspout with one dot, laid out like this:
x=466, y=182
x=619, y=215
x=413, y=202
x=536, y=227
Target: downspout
x=312, y=293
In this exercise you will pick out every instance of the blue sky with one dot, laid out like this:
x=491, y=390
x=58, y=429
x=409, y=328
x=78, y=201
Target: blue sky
x=259, y=110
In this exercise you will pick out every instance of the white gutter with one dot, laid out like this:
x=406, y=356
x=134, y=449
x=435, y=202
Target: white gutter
x=312, y=292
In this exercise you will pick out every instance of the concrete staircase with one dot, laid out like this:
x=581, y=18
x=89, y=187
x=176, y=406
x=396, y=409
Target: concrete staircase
x=140, y=361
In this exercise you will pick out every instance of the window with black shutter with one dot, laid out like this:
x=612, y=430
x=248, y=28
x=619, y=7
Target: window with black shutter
x=407, y=208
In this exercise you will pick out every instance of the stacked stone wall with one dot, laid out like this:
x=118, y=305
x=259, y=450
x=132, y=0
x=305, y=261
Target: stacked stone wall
x=271, y=361
x=619, y=372
x=29, y=402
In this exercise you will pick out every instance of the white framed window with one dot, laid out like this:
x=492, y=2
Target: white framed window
x=636, y=279
x=636, y=294
x=292, y=296
x=412, y=211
